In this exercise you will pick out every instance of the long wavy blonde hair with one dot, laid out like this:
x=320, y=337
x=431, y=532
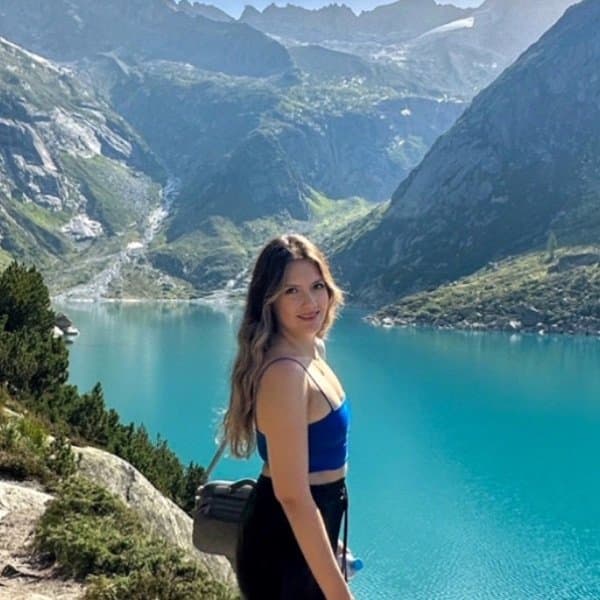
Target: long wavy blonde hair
x=259, y=327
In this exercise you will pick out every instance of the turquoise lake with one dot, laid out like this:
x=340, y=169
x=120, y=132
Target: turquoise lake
x=474, y=458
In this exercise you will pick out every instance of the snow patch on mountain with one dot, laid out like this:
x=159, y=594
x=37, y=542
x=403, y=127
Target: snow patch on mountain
x=467, y=23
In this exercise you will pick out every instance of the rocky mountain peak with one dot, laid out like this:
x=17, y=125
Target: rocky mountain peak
x=522, y=161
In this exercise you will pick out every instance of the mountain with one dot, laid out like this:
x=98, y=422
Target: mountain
x=323, y=63
x=405, y=19
x=416, y=46
x=394, y=22
x=509, y=26
x=236, y=148
x=308, y=130
x=71, y=169
x=297, y=23
x=67, y=30
x=463, y=56
x=204, y=10
x=521, y=162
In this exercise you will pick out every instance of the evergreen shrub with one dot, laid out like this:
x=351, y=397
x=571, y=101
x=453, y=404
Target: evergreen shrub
x=92, y=534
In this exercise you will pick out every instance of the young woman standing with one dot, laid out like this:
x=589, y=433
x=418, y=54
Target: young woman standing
x=287, y=402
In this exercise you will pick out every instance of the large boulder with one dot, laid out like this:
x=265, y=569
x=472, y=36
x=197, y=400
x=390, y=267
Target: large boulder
x=161, y=515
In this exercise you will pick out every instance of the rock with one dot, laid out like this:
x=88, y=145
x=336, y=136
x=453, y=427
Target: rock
x=81, y=227
x=161, y=515
x=21, y=505
x=571, y=261
x=530, y=316
x=63, y=322
x=387, y=322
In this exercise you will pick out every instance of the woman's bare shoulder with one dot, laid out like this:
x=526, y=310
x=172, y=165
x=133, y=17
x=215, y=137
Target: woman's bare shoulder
x=283, y=372
x=282, y=394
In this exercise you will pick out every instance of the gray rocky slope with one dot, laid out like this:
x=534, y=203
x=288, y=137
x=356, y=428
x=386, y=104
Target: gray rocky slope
x=523, y=160
x=63, y=152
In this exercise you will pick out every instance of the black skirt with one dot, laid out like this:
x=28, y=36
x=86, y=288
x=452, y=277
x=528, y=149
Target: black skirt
x=269, y=562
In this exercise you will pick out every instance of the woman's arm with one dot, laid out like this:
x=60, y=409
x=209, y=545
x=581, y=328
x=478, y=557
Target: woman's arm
x=282, y=403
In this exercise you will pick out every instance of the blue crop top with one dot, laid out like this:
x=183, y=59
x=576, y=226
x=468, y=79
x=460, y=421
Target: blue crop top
x=327, y=437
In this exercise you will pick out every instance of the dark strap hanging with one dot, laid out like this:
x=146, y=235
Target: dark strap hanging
x=345, y=536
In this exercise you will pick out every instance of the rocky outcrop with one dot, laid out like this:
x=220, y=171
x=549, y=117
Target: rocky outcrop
x=572, y=261
x=46, y=113
x=204, y=10
x=162, y=516
x=21, y=577
x=71, y=169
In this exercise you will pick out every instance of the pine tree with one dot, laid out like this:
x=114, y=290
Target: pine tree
x=24, y=300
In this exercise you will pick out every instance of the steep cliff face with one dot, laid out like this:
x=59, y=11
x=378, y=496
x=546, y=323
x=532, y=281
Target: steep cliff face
x=523, y=160
x=66, y=30
x=70, y=167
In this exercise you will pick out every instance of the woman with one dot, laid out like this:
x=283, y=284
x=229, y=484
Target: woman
x=287, y=401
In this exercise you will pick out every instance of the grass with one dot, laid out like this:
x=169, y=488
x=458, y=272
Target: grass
x=219, y=250
x=43, y=217
x=116, y=197
x=567, y=300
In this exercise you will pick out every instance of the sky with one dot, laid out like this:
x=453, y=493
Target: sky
x=235, y=7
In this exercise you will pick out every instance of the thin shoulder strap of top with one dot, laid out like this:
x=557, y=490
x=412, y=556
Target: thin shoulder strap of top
x=265, y=367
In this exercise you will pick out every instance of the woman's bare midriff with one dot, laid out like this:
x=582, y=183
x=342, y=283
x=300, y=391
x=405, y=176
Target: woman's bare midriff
x=319, y=478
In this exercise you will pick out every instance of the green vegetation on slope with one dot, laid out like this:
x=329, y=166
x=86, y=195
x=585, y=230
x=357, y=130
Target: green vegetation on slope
x=34, y=371
x=557, y=291
x=26, y=452
x=116, y=197
x=90, y=533
x=93, y=535
x=220, y=251
x=25, y=234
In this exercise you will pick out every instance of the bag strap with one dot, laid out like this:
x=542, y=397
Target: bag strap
x=214, y=461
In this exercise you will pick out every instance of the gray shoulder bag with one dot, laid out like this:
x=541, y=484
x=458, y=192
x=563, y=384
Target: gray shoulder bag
x=218, y=511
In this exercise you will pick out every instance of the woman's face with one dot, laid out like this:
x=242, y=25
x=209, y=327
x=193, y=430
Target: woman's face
x=302, y=306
